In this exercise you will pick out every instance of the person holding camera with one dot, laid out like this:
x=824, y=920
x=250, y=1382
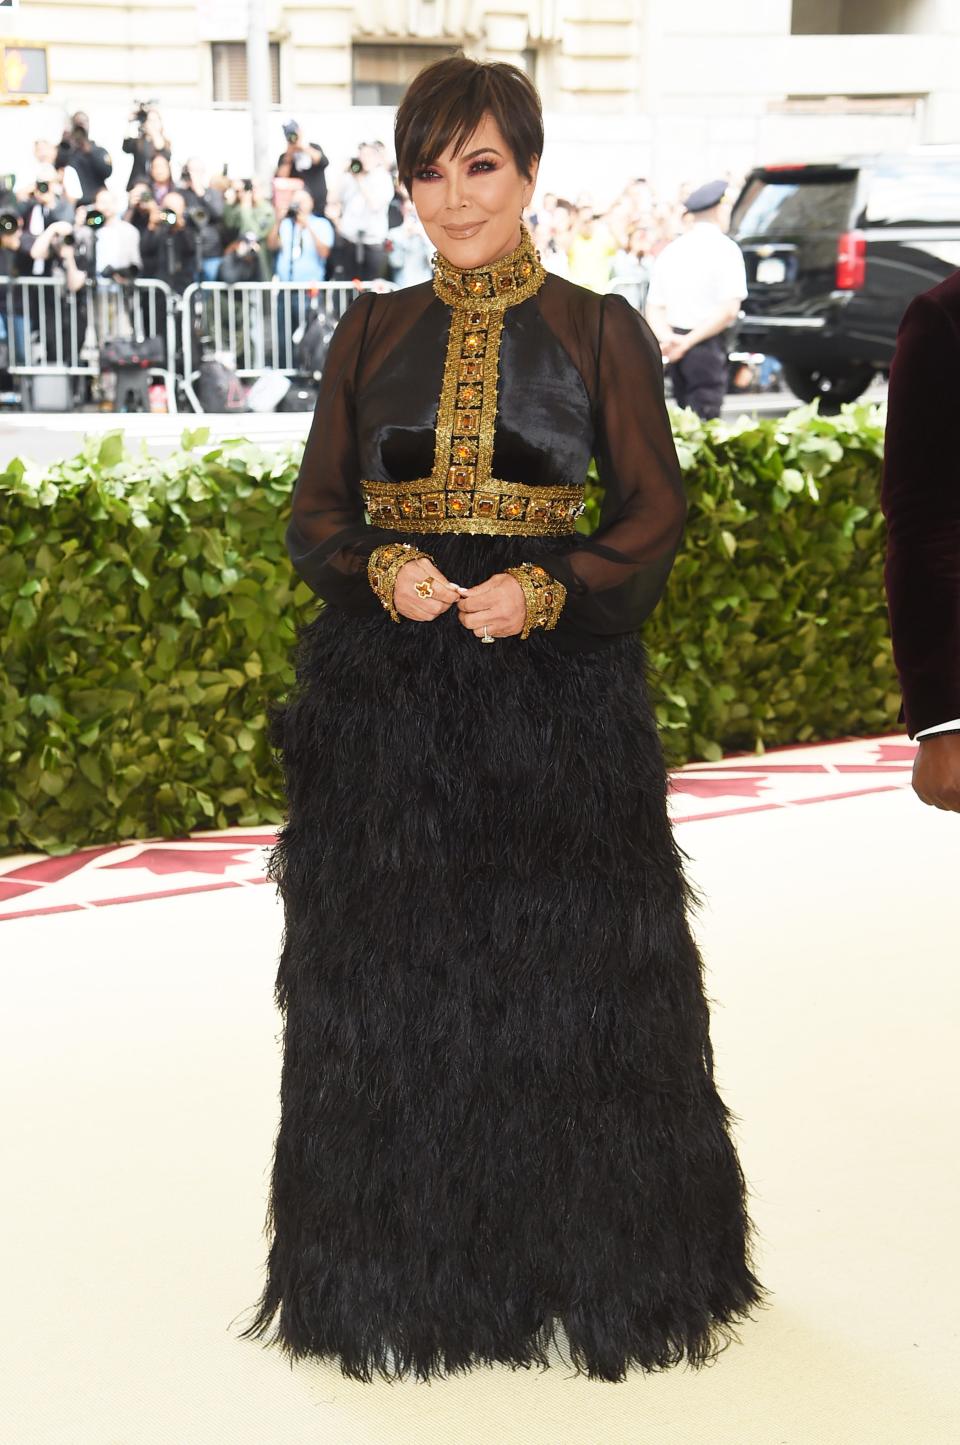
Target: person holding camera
x=42, y=204
x=45, y=154
x=91, y=162
x=366, y=192
x=301, y=242
x=145, y=139
x=305, y=161
x=204, y=211
x=114, y=241
x=248, y=219
x=159, y=182
x=169, y=245
x=15, y=263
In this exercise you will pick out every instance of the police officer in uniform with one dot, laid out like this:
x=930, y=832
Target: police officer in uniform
x=696, y=288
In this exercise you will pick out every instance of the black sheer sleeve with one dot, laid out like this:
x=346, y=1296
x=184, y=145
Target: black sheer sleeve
x=328, y=538
x=616, y=576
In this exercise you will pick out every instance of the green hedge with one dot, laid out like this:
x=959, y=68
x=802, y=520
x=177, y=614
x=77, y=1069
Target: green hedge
x=150, y=613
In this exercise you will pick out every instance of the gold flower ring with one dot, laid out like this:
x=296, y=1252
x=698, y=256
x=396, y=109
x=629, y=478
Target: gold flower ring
x=424, y=588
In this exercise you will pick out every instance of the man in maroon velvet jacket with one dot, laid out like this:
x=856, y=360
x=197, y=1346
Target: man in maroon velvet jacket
x=920, y=497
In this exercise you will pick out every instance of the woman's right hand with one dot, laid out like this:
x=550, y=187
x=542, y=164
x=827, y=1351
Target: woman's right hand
x=408, y=601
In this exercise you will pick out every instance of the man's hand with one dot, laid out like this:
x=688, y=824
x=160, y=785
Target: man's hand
x=498, y=604
x=936, y=771
x=675, y=347
x=408, y=601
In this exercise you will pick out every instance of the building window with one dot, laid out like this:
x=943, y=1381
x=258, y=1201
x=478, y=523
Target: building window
x=381, y=73
x=229, y=58
x=858, y=17
x=528, y=61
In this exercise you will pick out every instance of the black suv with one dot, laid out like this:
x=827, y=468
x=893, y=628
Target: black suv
x=834, y=251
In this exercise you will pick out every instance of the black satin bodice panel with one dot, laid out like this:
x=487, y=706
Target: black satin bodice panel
x=544, y=428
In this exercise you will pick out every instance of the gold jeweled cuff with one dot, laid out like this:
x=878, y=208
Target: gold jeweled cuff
x=383, y=565
x=544, y=596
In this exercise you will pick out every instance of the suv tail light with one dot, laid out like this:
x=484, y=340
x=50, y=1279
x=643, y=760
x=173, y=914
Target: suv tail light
x=851, y=260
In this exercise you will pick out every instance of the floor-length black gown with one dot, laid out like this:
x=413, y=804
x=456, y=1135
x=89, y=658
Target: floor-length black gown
x=497, y=1102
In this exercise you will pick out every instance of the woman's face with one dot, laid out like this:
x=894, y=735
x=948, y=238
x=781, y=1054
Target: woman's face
x=470, y=206
x=160, y=168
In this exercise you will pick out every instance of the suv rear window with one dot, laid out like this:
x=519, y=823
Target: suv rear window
x=908, y=194
x=790, y=202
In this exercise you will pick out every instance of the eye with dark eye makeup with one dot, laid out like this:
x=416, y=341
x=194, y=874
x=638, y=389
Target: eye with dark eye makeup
x=426, y=173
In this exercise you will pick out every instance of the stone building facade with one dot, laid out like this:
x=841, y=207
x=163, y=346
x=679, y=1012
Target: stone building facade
x=672, y=89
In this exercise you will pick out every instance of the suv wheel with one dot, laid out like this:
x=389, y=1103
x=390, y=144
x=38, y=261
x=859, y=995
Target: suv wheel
x=832, y=388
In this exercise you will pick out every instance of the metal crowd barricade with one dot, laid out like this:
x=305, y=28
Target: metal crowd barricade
x=255, y=326
x=53, y=331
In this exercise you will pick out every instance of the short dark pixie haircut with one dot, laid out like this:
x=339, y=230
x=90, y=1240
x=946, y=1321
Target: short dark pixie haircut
x=447, y=100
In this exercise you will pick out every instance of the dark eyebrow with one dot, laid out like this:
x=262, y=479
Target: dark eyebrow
x=484, y=150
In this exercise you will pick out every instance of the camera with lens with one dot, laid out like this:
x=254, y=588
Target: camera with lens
x=42, y=187
x=291, y=130
x=170, y=217
x=9, y=221
x=355, y=166
x=293, y=210
x=94, y=218
x=197, y=216
x=60, y=243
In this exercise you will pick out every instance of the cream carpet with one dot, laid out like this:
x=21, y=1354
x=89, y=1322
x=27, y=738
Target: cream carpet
x=140, y=1070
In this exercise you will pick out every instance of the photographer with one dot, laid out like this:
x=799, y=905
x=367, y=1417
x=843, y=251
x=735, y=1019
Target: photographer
x=169, y=247
x=43, y=203
x=305, y=161
x=91, y=162
x=204, y=212
x=144, y=140
x=248, y=218
x=45, y=154
x=366, y=192
x=55, y=254
x=302, y=242
x=15, y=263
x=161, y=178
x=117, y=241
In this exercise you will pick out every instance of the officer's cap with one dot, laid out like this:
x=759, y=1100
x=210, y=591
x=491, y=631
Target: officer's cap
x=705, y=196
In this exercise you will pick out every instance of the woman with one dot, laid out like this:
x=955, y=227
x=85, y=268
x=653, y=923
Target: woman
x=160, y=183
x=144, y=141
x=497, y=1107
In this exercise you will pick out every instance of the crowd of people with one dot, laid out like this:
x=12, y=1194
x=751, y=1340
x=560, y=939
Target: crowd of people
x=178, y=222
x=174, y=220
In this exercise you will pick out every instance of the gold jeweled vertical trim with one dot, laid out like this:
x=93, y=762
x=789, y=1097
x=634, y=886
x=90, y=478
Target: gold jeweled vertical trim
x=467, y=410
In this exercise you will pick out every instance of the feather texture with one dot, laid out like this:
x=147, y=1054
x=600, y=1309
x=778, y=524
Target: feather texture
x=498, y=1113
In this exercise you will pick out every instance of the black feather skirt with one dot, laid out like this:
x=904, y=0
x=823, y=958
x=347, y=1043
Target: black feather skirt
x=498, y=1113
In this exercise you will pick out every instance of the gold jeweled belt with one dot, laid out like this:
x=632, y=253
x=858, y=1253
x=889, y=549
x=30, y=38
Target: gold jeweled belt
x=460, y=495
x=513, y=508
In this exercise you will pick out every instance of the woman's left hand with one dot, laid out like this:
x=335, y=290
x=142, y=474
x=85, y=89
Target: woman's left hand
x=497, y=604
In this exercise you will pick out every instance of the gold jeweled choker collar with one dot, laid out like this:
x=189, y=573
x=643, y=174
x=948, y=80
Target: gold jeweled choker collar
x=503, y=283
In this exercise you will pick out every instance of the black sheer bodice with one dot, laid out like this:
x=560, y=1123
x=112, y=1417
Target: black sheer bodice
x=580, y=375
